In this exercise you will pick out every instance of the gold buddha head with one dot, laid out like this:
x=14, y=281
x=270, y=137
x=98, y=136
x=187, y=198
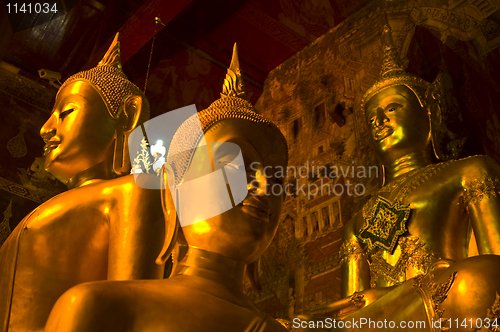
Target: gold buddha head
x=406, y=114
x=230, y=126
x=93, y=110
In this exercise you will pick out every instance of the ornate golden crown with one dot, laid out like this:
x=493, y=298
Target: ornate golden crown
x=393, y=72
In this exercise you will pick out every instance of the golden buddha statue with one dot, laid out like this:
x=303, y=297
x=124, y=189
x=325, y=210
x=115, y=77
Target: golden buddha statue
x=206, y=291
x=105, y=227
x=408, y=255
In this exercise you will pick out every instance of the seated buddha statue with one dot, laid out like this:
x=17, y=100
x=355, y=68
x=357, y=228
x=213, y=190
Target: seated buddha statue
x=105, y=227
x=425, y=247
x=206, y=292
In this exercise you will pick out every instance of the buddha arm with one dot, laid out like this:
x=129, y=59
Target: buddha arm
x=136, y=233
x=481, y=183
x=354, y=265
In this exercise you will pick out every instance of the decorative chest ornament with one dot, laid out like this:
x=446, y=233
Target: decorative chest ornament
x=385, y=224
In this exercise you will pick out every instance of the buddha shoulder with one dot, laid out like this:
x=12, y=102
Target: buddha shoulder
x=122, y=189
x=96, y=306
x=458, y=174
x=117, y=195
x=130, y=305
x=473, y=169
x=478, y=168
x=163, y=305
x=138, y=183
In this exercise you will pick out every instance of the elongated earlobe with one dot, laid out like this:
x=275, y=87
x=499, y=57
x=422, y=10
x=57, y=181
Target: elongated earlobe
x=170, y=215
x=128, y=118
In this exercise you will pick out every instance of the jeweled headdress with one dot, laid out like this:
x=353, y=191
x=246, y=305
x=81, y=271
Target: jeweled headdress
x=393, y=72
x=111, y=82
x=231, y=105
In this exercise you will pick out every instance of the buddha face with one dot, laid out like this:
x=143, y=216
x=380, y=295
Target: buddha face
x=79, y=133
x=245, y=231
x=398, y=125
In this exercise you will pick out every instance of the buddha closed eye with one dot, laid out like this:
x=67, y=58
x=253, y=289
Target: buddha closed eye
x=64, y=114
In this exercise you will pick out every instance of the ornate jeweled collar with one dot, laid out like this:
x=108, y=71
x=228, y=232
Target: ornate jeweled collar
x=385, y=220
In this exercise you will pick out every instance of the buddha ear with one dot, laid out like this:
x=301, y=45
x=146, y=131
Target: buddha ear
x=129, y=113
x=447, y=128
x=132, y=106
x=434, y=111
x=170, y=215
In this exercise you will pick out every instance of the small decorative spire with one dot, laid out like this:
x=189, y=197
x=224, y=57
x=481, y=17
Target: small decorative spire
x=392, y=64
x=233, y=83
x=112, y=56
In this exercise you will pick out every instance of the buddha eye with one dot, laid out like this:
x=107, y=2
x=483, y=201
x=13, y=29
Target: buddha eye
x=392, y=108
x=65, y=113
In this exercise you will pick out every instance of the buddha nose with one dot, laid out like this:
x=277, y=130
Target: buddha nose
x=48, y=129
x=381, y=117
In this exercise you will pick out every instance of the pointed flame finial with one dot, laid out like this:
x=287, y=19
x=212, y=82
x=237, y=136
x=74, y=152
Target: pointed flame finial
x=233, y=83
x=392, y=63
x=112, y=56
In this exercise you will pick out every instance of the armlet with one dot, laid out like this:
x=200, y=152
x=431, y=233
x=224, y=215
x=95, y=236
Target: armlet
x=478, y=189
x=351, y=249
